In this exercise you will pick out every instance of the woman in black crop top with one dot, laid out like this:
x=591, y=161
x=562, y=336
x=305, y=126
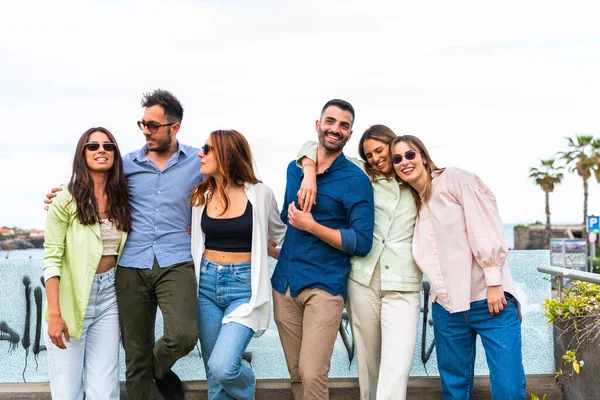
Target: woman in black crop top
x=233, y=214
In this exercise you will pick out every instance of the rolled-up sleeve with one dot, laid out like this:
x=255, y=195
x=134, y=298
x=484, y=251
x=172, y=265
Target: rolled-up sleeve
x=57, y=222
x=308, y=150
x=359, y=203
x=484, y=229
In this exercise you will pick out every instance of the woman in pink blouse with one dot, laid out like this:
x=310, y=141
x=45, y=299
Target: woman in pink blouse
x=458, y=244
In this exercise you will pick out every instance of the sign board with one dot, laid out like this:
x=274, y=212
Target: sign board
x=592, y=237
x=593, y=223
x=569, y=253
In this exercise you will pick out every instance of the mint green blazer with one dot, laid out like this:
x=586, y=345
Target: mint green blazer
x=72, y=251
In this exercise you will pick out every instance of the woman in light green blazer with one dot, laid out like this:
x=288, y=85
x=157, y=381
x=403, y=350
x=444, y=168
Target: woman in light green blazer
x=86, y=228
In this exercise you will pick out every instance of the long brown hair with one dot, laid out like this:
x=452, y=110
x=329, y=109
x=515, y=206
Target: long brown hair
x=417, y=145
x=381, y=133
x=81, y=186
x=234, y=162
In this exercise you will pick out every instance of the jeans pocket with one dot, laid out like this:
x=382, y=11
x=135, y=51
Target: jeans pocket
x=243, y=275
x=510, y=299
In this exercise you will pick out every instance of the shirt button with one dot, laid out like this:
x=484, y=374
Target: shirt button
x=155, y=227
x=159, y=191
x=387, y=267
x=156, y=209
x=154, y=242
x=383, y=241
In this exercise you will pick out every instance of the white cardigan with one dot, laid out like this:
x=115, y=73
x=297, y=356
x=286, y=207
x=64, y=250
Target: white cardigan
x=266, y=222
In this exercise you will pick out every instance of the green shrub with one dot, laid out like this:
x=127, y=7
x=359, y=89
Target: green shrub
x=580, y=299
x=578, y=313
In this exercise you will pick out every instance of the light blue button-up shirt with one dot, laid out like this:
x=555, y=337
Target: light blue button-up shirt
x=160, y=208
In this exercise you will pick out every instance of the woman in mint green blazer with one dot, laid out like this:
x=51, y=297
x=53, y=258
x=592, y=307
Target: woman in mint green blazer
x=86, y=228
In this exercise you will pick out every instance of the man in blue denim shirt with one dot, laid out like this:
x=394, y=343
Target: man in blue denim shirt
x=156, y=266
x=309, y=281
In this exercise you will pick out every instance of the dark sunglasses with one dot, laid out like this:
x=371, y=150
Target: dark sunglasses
x=410, y=155
x=152, y=126
x=206, y=148
x=106, y=146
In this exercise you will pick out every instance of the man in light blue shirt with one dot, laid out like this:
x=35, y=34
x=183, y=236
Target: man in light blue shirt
x=156, y=266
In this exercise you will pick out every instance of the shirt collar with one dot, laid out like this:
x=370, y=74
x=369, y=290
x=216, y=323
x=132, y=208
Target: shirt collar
x=141, y=153
x=337, y=163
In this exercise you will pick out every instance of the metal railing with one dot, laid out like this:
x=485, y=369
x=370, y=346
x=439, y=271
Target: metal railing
x=570, y=274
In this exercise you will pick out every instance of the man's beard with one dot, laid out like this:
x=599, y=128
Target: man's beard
x=163, y=145
x=332, y=147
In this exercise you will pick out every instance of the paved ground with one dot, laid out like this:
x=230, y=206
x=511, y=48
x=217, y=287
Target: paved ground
x=340, y=389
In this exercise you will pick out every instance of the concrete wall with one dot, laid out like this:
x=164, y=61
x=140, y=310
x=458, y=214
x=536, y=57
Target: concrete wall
x=534, y=237
x=23, y=358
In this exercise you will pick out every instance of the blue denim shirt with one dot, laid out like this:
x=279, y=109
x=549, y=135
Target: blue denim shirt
x=345, y=203
x=160, y=208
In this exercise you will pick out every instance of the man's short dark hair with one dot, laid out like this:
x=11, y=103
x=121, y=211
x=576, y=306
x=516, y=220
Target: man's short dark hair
x=342, y=104
x=168, y=101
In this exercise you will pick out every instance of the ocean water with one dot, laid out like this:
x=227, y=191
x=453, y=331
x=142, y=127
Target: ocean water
x=509, y=235
x=36, y=254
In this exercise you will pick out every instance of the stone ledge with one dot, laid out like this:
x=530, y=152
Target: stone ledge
x=419, y=388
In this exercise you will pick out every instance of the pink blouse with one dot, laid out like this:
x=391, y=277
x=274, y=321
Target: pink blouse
x=458, y=241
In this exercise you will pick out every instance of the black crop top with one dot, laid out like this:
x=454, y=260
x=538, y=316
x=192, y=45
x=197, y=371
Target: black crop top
x=232, y=235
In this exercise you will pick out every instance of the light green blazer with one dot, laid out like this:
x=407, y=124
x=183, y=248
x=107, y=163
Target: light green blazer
x=72, y=252
x=395, y=215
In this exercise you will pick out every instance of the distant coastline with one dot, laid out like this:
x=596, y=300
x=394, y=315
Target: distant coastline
x=38, y=252
x=22, y=244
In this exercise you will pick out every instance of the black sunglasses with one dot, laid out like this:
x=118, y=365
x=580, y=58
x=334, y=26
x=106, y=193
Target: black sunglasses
x=152, y=126
x=206, y=148
x=410, y=155
x=106, y=146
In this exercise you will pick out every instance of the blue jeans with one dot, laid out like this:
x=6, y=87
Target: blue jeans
x=455, y=336
x=223, y=287
x=90, y=364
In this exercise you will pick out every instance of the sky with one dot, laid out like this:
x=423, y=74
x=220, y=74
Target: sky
x=490, y=87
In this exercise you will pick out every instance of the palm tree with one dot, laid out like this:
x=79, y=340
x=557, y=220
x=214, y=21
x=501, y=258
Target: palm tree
x=547, y=176
x=583, y=157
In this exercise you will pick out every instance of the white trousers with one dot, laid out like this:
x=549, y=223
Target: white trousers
x=90, y=364
x=384, y=328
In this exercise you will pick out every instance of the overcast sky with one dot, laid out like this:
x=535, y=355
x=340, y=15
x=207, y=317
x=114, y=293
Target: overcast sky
x=489, y=87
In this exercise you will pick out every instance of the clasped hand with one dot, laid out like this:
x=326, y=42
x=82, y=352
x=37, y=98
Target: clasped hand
x=299, y=219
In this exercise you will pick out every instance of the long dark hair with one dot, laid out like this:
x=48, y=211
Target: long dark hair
x=234, y=161
x=81, y=187
x=381, y=133
x=417, y=145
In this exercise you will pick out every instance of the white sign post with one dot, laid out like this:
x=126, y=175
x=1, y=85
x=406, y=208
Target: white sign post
x=593, y=225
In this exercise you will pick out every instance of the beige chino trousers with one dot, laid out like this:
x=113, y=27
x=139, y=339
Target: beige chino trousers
x=384, y=327
x=308, y=325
